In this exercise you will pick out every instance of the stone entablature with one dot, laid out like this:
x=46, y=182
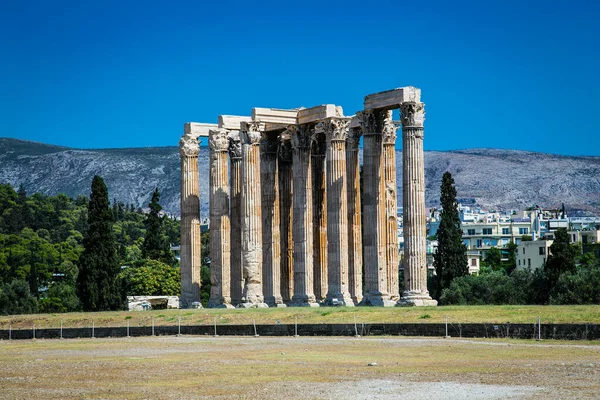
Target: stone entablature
x=286, y=217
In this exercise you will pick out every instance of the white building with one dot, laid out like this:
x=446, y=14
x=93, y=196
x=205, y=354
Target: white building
x=533, y=254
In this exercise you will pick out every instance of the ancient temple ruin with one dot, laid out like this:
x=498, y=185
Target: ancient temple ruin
x=285, y=207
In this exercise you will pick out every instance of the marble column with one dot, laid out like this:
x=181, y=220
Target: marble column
x=271, y=241
x=235, y=190
x=302, y=218
x=190, y=221
x=413, y=199
x=355, y=253
x=336, y=133
x=391, y=205
x=319, y=214
x=251, y=219
x=286, y=216
x=220, y=229
x=374, y=228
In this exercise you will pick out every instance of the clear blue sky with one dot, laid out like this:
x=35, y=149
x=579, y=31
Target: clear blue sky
x=505, y=74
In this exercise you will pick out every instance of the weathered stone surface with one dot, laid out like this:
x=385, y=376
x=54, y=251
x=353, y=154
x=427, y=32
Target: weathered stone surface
x=275, y=116
x=220, y=229
x=235, y=157
x=392, y=98
x=336, y=132
x=198, y=129
x=252, y=295
x=413, y=187
x=374, y=216
x=319, y=113
x=302, y=218
x=319, y=215
x=232, y=122
x=355, y=246
x=271, y=241
x=285, y=172
x=190, y=220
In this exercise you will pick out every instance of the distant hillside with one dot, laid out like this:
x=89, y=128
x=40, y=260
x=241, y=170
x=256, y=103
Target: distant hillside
x=501, y=179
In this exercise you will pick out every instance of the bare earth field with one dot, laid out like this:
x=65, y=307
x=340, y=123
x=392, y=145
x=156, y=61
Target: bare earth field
x=190, y=367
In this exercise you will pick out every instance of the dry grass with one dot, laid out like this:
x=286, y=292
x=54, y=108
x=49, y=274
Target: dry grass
x=294, y=368
x=457, y=314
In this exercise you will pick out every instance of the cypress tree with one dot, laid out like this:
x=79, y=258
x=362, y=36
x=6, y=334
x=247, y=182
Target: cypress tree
x=98, y=285
x=156, y=245
x=561, y=258
x=450, y=260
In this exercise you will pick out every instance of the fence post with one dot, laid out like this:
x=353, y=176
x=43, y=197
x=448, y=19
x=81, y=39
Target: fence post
x=215, y=335
x=127, y=328
x=33, y=331
x=178, y=326
x=296, y=327
x=356, y=335
x=61, y=324
x=93, y=336
x=152, y=326
x=539, y=328
x=254, y=323
x=447, y=337
x=10, y=332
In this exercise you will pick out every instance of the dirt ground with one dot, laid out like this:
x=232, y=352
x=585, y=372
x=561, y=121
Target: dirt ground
x=191, y=367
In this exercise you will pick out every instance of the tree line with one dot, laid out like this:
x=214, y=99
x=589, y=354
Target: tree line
x=59, y=254
x=571, y=275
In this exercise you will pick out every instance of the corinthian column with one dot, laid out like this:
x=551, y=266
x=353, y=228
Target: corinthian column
x=336, y=133
x=391, y=205
x=355, y=254
x=220, y=250
x=271, y=245
x=319, y=214
x=413, y=199
x=374, y=237
x=235, y=157
x=252, y=295
x=302, y=219
x=285, y=210
x=190, y=220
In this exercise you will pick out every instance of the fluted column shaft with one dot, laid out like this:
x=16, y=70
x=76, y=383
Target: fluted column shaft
x=355, y=253
x=252, y=295
x=302, y=218
x=413, y=190
x=374, y=237
x=319, y=213
x=270, y=214
x=235, y=157
x=220, y=230
x=286, y=216
x=190, y=260
x=391, y=206
x=336, y=132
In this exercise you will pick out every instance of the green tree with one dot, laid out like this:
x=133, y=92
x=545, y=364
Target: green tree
x=156, y=245
x=61, y=297
x=511, y=264
x=151, y=278
x=561, y=259
x=493, y=258
x=15, y=298
x=98, y=285
x=450, y=260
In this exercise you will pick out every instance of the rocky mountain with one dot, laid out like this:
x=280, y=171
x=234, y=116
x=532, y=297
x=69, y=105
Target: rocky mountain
x=496, y=179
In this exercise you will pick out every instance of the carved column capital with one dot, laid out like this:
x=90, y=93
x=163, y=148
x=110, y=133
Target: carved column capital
x=189, y=146
x=389, y=128
x=371, y=121
x=235, y=147
x=301, y=137
x=412, y=114
x=251, y=132
x=335, y=129
x=268, y=145
x=218, y=139
x=353, y=140
x=284, y=150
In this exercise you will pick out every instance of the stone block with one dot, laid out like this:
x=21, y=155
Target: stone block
x=232, y=122
x=275, y=116
x=198, y=129
x=318, y=113
x=391, y=99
